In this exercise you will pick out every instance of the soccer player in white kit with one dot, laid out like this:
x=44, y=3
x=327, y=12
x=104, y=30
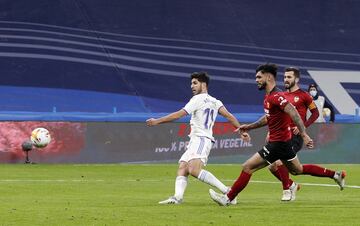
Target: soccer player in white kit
x=203, y=109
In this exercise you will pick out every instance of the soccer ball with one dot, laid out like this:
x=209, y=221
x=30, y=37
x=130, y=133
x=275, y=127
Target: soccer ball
x=326, y=112
x=40, y=137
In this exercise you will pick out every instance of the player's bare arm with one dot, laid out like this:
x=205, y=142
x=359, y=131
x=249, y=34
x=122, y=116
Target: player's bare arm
x=259, y=123
x=231, y=118
x=294, y=115
x=168, y=118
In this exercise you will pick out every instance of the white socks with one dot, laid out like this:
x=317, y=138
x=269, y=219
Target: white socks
x=209, y=178
x=180, y=186
x=204, y=176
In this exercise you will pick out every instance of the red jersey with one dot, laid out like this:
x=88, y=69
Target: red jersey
x=278, y=121
x=302, y=101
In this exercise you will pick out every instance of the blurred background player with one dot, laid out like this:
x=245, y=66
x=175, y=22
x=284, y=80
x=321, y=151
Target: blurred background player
x=302, y=102
x=322, y=104
x=203, y=109
x=277, y=111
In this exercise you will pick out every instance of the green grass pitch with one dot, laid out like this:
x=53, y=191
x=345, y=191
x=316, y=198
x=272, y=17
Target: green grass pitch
x=121, y=194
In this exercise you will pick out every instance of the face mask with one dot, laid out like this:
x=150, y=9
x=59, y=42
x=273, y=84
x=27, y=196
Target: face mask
x=313, y=93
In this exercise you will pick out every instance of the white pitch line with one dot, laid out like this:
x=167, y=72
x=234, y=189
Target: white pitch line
x=308, y=184
x=48, y=180
x=260, y=182
x=166, y=180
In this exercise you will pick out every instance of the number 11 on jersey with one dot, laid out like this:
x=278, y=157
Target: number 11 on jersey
x=209, y=117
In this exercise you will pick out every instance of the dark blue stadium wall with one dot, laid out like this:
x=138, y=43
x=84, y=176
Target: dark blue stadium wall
x=94, y=55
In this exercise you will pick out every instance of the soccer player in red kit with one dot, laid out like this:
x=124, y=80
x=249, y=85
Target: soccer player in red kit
x=302, y=101
x=277, y=111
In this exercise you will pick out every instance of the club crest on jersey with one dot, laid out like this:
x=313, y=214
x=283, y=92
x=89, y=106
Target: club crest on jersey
x=296, y=99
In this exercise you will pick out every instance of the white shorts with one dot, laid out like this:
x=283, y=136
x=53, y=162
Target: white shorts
x=198, y=148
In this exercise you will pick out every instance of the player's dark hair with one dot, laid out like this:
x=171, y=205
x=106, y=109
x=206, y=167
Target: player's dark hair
x=267, y=68
x=201, y=76
x=295, y=70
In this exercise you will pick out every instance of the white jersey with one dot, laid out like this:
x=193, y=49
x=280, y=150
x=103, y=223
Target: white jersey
x=203, y=109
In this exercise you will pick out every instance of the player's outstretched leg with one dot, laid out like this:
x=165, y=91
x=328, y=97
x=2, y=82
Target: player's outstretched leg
x=219, y=198
x=339, y=178
x=234, y=201
x=254, y=163
x=237, y=187
x=207, y=177
x=318, y=171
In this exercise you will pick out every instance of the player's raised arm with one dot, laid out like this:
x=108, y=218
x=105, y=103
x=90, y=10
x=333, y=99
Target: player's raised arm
x=257, y=124
x=233, y=120
x=167, y=118
x=230, y=117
